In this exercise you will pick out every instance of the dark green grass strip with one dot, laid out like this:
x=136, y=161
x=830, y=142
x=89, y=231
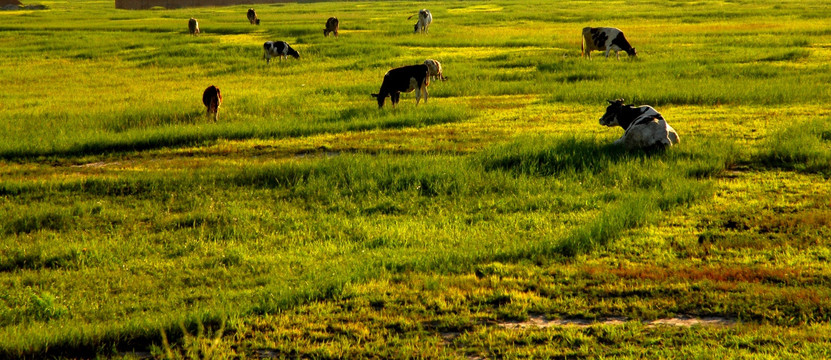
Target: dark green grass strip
x=366, y=118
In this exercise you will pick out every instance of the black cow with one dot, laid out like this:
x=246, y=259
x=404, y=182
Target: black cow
x=212, y=98
x=605, y=39
x=404, y=79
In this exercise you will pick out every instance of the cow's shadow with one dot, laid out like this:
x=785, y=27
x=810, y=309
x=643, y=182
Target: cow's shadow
x=544, y=157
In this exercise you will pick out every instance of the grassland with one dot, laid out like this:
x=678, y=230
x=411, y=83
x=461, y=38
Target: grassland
x=308, y=223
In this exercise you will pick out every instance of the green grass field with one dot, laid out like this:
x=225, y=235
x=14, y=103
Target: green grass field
x=306, y=222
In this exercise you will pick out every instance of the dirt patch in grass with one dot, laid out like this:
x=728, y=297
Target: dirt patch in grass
x=540, y=321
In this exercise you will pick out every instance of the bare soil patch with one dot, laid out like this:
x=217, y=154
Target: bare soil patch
x=540, y=321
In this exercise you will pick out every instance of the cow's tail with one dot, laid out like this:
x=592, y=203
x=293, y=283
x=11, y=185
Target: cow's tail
x=411, y=16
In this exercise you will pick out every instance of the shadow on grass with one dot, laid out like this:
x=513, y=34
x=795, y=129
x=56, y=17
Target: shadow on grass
x=804, y=147
x=538, y=157
x=165, y=136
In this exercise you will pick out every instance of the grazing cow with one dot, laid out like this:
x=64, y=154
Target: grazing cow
x=424, y=20
x=435, y=69
x=605, y=39
x=332, y=26
x=278, y=49
x=252, y=17
x=212, y=98
x=644, y=127
x=193, y=26
x=404, y=79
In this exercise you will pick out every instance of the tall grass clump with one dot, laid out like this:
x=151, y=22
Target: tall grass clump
x=635, y=187
x=804, y=146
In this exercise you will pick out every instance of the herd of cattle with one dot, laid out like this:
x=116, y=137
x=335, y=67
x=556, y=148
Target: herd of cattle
x=644, y=127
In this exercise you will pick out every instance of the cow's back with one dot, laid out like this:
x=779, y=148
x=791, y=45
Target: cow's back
x=406, y=78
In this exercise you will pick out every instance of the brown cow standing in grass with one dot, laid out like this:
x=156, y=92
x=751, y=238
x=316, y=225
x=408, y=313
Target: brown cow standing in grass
x=212, y=98
x=332, y=26
x=193, y=26
x=252, y=17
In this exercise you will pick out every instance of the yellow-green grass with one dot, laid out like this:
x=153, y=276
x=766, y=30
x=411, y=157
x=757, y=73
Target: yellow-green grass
x=311, y=223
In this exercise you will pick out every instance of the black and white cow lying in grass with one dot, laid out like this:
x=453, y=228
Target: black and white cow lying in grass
x=279, y=49
x=644, y=127
x=404, y=79
x=212, y=98
x=605, y=39
x=424, y=20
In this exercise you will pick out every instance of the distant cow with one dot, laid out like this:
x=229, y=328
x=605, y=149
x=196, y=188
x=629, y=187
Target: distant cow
x=605, y=39
x=212, y=98
x=424, y=20
x=435, y=69
x=193, y=26
x=278, y=49
x=332, y=26
x=404, y=79
x=644, y=127
x=252, y=17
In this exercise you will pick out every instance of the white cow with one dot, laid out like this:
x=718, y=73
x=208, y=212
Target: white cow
x=435, y=69
x=644, y=127
x=424, y=20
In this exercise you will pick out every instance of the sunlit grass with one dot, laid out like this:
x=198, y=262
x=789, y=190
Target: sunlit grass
x=410, y=232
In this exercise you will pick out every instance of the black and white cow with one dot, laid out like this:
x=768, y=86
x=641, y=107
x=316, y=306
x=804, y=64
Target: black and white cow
x=212, y=98
x=644, y=127
x=193, y=26
x=332, y=26
x=424, y=20
x=605, y=39
x=252, y=17
x=279, y=49
x=404, y=79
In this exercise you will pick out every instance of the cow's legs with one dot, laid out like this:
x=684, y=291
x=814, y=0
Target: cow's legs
x=607, y=52
x=425, y=94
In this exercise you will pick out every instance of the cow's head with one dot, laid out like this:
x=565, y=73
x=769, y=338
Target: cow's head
x=612, y=111
x=380, y=98
x=632, y=52
x=415, y=28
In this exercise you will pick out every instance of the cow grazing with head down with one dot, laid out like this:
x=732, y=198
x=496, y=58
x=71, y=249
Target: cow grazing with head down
x=193, y=26
x=279, y=49
x=404, y=79
x=644, y=127
x=332, y=26
x=435, y=69
x=212, y=98
x=252, y=17
x=605, y=39
x=424, y=20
